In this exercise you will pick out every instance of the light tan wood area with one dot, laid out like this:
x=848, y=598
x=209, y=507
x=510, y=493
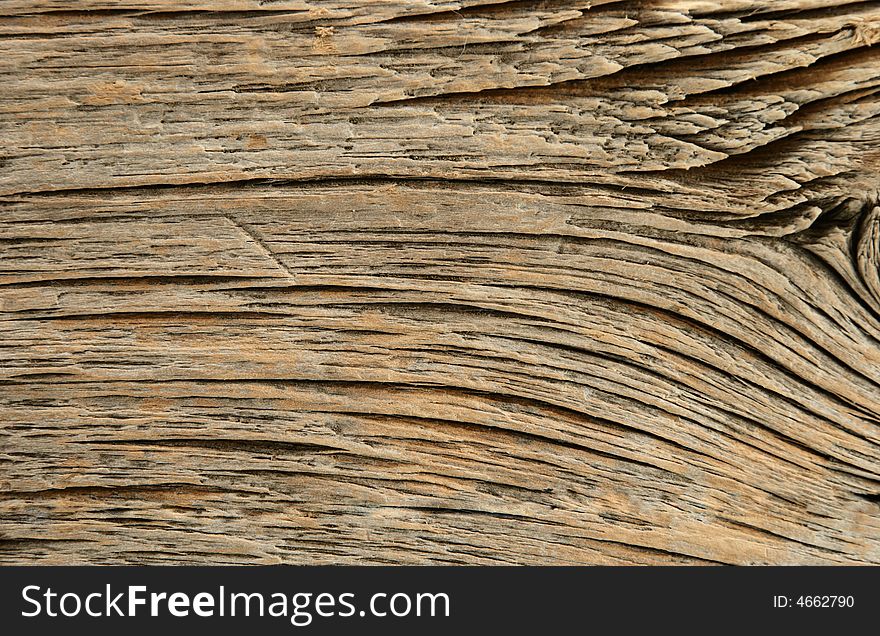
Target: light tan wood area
x=416, y=281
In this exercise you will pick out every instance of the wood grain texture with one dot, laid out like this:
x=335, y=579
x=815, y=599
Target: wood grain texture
x=415, y=281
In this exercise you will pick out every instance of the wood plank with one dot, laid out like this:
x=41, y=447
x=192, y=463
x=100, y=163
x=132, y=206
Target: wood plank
x=440, y=282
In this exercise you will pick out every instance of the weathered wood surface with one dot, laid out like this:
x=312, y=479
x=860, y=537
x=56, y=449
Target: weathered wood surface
x=414, y=281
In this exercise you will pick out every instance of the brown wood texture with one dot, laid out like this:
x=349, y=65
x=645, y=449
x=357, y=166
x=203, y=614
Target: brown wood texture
x=426, y=281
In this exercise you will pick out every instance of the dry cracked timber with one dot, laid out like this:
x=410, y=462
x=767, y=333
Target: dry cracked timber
x=415, y=281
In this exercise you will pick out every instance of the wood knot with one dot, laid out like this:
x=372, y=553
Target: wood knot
x=867, y=252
